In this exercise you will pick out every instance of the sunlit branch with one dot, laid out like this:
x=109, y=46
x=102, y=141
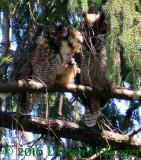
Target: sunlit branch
x=32, y=86
x=135, y=131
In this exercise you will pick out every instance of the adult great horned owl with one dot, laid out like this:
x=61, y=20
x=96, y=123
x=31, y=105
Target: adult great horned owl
x=46, y=53
x=93, y=66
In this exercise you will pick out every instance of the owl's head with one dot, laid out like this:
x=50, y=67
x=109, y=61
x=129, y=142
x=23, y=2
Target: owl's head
x=71, y=43
x=75, y=37
x=98, y=22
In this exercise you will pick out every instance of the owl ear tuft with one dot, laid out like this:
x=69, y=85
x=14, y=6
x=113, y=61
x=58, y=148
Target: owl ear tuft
x=94, y=18
x=91, y=18
x=102, y=17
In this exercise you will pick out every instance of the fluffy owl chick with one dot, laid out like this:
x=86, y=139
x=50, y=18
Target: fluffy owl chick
x=67, y=68
x=72, y=44
x=66, y=72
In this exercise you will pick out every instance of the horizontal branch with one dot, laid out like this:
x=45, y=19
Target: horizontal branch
x=70, y=130
x=32, y=86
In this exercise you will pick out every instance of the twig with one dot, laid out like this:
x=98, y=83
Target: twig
x=31, y=141
x=33, y=145
x=96, y=155
x=106, y=139
x=118, y=130
x=31, y=14
x=106, y=126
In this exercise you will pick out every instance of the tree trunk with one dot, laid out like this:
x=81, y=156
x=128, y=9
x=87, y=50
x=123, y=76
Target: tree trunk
x=5, y=40
x=5, y=34
x=4, y=52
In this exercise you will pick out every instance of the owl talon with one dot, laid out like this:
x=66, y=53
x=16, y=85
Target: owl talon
x=72, y=63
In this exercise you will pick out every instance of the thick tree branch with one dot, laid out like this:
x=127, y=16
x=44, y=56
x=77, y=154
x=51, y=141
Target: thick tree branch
x=71, y=131
x=32, y=86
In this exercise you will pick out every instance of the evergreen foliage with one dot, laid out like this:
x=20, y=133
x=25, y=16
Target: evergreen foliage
x=123, y=41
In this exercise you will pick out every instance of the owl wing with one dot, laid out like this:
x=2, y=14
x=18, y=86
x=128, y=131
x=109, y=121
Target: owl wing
x=36, y=57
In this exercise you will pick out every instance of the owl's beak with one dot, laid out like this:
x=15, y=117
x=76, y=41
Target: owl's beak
x=80, y=40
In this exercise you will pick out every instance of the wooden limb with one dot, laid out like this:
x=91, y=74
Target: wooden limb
x=71, y=130
x=134, y=131
x=32, y=86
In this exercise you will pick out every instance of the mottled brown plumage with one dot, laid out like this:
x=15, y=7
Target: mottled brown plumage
x=45, y=53
x=93, y=66
x=93, y=74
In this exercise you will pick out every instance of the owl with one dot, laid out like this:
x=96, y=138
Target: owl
x=66, y=72
x=45, y=54
x=93, y=67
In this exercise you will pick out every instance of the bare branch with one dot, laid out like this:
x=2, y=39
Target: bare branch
x=134, y=131
x=31, y=13
x=96, y=155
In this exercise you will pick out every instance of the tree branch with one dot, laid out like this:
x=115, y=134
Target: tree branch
x=134, y=131
x=32, y=86
x=70, y=130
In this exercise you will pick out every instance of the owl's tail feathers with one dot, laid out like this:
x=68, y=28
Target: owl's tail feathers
x=27, y=101
x=92, y=110
x=90, y=118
